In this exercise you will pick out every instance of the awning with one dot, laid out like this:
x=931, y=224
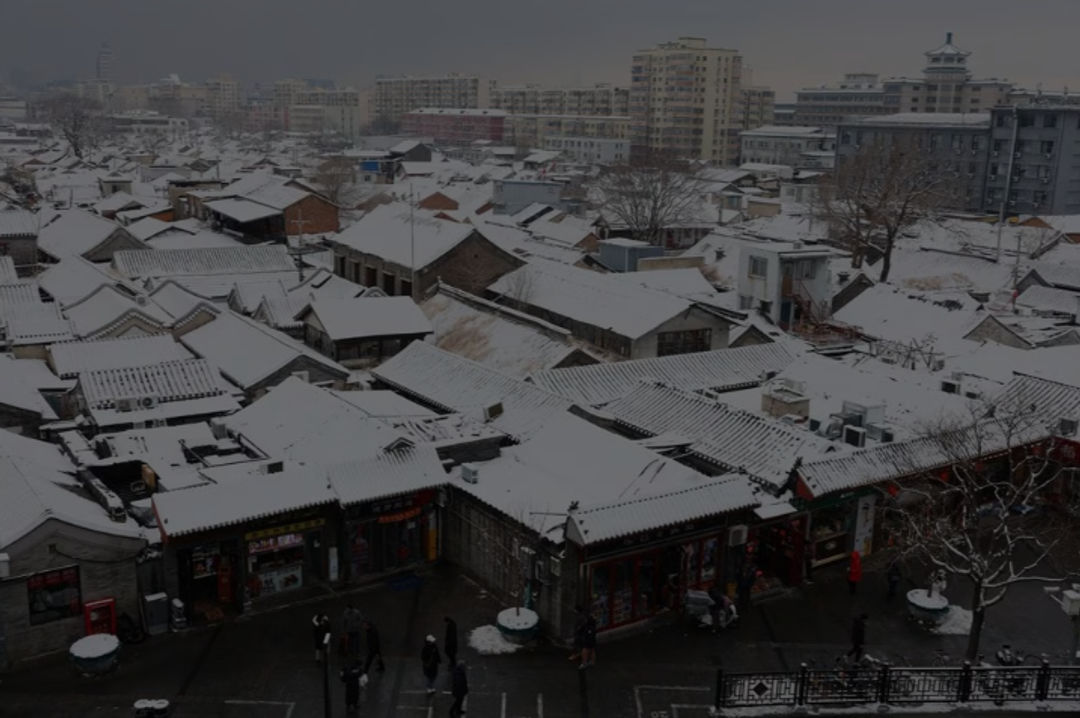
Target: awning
x=772, y=511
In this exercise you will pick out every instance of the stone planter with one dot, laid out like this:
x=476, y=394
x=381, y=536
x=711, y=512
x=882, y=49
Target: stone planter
x=927, y=608
x=96, y=654
x=518, y=625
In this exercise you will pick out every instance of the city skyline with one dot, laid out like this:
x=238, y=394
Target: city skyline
x=595, y=43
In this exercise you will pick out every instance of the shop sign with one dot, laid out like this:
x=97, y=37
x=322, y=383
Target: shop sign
x=295, y=528
x=275, y=543
x=400, y=516
x=400, y=503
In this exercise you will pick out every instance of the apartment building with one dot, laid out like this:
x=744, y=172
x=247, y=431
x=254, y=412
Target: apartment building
x=345, y=111
x=791, y=146
x=394, y=96
x=589, y=150
x=956, y=142
x=1034, y=162
x=453, y=126
x=222, y=96
x=946, y=86
x=685, y=100
x=600, y=99
x=537, y=130
x=757, y=107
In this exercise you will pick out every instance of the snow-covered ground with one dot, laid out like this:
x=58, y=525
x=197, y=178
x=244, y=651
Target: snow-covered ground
x=957, y=623
x=487, y=640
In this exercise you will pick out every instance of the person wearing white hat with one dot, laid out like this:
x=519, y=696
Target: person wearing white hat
x=430, y=660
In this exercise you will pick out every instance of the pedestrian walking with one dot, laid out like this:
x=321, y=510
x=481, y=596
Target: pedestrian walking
x=320, y=629
x=588, y=646
x=858, y=637
x=716, y=607
x=450, y=641
x=354, y=679
x=892, y=576
x=459, y=688
x=854, y=572
x=353, y=622
x=746, y=586
x=429, y=661
x=374, y=647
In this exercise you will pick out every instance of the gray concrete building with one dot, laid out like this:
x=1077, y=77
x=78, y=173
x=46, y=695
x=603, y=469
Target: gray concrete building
x=1034, y=160
x=957, y=142
x=783, y=145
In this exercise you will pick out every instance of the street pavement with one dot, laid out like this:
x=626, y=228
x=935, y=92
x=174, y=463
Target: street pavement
x=263, y=665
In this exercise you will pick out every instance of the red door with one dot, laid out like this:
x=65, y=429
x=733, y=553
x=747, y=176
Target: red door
x=100, y=616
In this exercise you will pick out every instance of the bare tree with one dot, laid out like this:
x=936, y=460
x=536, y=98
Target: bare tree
x=333, y=176
x=78, y=119
x=884, y=189
x=650, y=196
x=973, y=517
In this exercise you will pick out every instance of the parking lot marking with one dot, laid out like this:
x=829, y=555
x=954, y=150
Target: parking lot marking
x=539, y=705
x=289, y=706
x=640, y=703
x=503, y=713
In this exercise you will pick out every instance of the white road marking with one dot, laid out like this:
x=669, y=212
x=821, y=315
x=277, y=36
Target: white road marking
x=539, y=705
x=661, y=714
x=675, y=707
x=289, y=706
x=503, y=713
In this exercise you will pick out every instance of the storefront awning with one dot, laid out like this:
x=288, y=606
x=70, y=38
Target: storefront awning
x=772, y=511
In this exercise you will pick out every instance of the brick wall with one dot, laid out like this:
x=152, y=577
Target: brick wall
x=318, y=215
x=106, y=570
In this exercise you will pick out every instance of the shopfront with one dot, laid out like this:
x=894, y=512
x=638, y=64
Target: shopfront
x=772, y=557
x=283, y=558
x=641, y=582
x=390, y=534
x=208, y=575
x=842, y=524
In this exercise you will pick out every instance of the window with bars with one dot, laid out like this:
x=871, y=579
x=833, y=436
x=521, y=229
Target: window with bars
x=691, y=340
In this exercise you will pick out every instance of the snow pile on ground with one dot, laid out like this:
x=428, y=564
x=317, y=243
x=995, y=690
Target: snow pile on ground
x=488, y=641
x=956, y=623
x=97, y=645
x=518, y=619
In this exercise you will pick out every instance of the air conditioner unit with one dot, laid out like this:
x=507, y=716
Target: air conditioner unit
x=950, y=387
x=855, y=435
x=493, y=412
x=736, y=535
x=469, y=473
x=1067, y=427
x=148, y=402
x=886, y=436
x=125, y=404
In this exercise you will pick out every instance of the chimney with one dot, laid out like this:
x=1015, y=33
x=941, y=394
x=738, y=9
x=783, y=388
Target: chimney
x=948, y=38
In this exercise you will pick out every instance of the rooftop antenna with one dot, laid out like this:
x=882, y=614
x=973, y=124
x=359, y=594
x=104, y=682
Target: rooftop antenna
x=299, y=250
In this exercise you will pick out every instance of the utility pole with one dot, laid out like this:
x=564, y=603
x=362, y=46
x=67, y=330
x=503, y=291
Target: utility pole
x=300, y=250
x=327, y=710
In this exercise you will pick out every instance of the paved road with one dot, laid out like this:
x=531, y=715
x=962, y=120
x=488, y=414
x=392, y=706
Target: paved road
x=262, y=666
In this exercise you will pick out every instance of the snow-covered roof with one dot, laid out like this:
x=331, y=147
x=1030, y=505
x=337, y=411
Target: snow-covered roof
x=75, y=277
x=203, y=261
x=76, y=232
x=388, y=473
x=390, y=233
x=380, y=404
x=203, y=239
x=106, y=306
x=886, y=312
x=116, y=202
x=1052, y=399
x=242, y=210
x=72, y=358
x=364, y=317
x=248, y=352
x=453, y=383
x=977, y=120
x=173, y=380
x=177, y=301
x=509, y=341
x=1060, y=274
x=589, y=297
x=21, y=382
x=39, y=484
x=37, y=324
x=730, y=438
x=720, y=370
x=18, y=223
x=1049, y=299
x=604, y=522
x=149, y=227
x=240, y=499
x=8, y=273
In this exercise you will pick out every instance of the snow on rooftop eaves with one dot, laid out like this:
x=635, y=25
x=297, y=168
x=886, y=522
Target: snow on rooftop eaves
x=71, y=358
x=363, y=317
x=390, y=233
x=595, y=524
x=240, y=499
x=388, y=473
x=1053, y=400
x=106, y=306
x=453, y=383
x=720, y=370
x=21, y=382
x=242, y=210
x=173, y=380
x=15, y=223
x=203, y=261
x=37, y=324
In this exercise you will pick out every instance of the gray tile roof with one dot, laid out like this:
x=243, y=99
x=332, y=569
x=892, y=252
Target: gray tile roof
x=202, y=261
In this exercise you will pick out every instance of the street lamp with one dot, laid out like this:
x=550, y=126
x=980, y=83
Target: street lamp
x=1069, y=601
x=326, y=675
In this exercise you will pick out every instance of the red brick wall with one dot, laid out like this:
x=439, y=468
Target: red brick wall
x=438, y=201
x=319, y=216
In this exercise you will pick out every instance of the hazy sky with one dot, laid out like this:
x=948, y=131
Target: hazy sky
x=789, y=43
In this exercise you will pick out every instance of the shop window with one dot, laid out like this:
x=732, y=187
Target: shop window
x=622, y=600
x=710, y=556
x=275, y=563
x=54, y=595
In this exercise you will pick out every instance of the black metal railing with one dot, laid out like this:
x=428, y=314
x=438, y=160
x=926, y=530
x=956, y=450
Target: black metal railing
x=898, y=685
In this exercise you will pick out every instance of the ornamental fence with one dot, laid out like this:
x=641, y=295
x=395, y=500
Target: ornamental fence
x=898, y=686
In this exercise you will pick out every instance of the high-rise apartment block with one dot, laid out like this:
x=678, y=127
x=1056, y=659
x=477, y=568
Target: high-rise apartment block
x=685, y=100
x=394, y=96
x=602, y=99
x=756, y=108
x=946, y=85
x=103, y=68
x=1034, y=164
x=222, y=96
x=300, y=106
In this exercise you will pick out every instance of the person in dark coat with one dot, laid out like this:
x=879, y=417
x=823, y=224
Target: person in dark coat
x=858, y=637
x=353, y=622
x=892, y=576
x=429, y=661
x=320, y=629
x=459, y=688
x=352, y=677
x=450, y=642
x=374, y=647
x=854, y=572
x=588, y=647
